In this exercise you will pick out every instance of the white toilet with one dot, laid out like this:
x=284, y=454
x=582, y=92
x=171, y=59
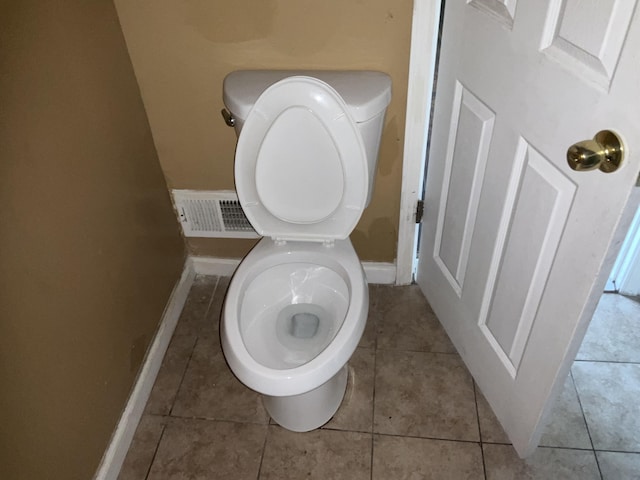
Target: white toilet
x=305, y=163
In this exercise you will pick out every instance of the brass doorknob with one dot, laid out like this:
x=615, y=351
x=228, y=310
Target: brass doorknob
x=605, y=152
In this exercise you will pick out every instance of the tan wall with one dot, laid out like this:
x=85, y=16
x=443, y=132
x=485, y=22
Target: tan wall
x=181, y=51
x=89, y=248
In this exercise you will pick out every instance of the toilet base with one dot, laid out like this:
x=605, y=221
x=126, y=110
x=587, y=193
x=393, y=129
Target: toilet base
x=310, y=410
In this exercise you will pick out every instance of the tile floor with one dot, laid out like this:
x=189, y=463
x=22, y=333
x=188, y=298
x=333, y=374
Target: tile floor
x=411, y=410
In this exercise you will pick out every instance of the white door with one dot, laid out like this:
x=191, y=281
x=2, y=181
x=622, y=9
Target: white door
x=514, y=241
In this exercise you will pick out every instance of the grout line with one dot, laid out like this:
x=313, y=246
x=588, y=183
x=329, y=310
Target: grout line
x=415, y=351
x=433, y=438
x=184, y=374
x=606, y=450
x=617, y=362
x=492, y=442
x=155, y=452
x=372, y=439
x=440, y=439
x=475, y=398
x=193, y=348
x=373, y=393
x=176, y=417
x=213, y=295
x=586, y=424
x=209, y=419
x=264, y=447
x=333, y=429
x=329, y=429
x=546, y=446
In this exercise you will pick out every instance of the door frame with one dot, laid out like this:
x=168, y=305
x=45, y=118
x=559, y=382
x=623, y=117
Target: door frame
x=626, y=270
x=422, y=67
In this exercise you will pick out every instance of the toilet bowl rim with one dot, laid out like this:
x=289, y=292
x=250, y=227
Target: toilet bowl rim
x=310, y=375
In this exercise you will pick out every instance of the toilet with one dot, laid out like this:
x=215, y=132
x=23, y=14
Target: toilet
x=305, y=164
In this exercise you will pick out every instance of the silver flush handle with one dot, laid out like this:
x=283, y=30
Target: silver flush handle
x=228, y=118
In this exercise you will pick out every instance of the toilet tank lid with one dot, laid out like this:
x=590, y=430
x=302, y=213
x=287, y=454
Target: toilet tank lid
x=367, y=93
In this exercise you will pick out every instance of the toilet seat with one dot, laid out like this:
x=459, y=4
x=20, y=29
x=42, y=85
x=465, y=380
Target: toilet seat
x=301, y=168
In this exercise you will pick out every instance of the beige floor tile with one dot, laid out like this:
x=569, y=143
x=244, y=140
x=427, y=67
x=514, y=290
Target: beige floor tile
x=194, y=313
x=170, y=375
x=319, y=454
x=613, y=334
x=406, y=321
x=356, y=411
x=566, y=427
x=417, y=393
x=619, y=466
x=424, y=395
x=400, y=458
x=502, y=463
x=490, y=427
x=209, y=389
x=609, y=395
x=208, y=450
x=143, y=448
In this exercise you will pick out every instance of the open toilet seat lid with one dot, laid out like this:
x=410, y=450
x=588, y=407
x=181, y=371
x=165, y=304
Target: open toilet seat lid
x=301, y=169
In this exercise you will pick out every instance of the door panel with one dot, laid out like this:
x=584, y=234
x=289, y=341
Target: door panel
x=469, y=136
x=537, y=218
x=502, y=10
x=587, y=37
x=514, y=241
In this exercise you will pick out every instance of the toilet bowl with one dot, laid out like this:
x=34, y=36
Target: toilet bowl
x=293, y=316
x=297, y=304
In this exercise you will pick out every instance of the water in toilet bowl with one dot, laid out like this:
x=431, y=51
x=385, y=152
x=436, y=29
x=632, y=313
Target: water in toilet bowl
x=291, y=312
x=304, y=330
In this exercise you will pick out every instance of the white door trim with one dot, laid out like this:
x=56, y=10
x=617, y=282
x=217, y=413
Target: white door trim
x=626, y=271
x=422, y=61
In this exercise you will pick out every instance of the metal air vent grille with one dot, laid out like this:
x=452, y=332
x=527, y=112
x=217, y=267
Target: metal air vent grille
x=211, y=214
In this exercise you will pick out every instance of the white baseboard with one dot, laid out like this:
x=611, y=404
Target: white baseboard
x=382, y=273
x=376, y=272
x=215, y=266
x=121, y=439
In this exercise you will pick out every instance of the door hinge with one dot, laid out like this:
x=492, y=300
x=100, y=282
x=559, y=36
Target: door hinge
x=419, y=210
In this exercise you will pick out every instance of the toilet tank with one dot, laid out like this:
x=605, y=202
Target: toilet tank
x=366, y=93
